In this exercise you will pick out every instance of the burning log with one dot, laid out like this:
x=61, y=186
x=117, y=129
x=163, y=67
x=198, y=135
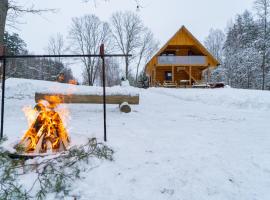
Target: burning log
x=47, y=133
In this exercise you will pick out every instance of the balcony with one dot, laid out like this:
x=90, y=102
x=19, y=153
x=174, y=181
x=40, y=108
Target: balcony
x=182, y=60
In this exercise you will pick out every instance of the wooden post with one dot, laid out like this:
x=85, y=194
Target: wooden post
x=189, y=75
x=173, y=74
x=155, y=75
x=2, y=50
x=208, y=74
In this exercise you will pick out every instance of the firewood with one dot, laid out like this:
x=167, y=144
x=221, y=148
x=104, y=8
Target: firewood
x=49, y=146
x=124, y=107
x=47, y=133
x=39, y=144
x=85, y=98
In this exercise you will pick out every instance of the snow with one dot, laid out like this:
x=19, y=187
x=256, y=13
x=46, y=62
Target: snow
x=178, y=144
x=125, y=83
x=26, y=88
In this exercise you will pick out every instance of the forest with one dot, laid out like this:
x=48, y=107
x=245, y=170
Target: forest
x=243, y=49
x=123, y=33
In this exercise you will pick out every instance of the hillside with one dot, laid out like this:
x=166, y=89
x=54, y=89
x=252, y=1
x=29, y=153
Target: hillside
x=177, y=144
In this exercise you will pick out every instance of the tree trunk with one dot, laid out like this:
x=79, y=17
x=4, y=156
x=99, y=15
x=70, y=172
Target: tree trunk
x=248, y=79
x=136, y=79
x=264, y=46
x=3, y=16
x=89, y=78
x=263, y=67
x=263, y=74
x=137, y=70
x=126, y=62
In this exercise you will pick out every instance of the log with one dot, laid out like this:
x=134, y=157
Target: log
x=124, y=107
x=85, y=99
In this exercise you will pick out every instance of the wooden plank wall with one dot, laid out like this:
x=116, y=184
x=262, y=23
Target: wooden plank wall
x=179, y=74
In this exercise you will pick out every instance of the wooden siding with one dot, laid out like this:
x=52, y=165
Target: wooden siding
x=179, y=73
x=181, y=44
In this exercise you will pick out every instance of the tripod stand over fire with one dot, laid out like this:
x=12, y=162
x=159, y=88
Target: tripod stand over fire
x=47, y=132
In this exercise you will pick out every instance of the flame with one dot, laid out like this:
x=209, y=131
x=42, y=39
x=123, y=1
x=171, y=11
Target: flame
x=53, y=101
x=30, y=114
x=64, y=113
x=74, y=82
x=47, y=130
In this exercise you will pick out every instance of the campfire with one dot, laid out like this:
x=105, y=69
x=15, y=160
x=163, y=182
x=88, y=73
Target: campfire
x=47, y=132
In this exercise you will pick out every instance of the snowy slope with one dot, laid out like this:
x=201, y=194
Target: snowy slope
x=178, y=144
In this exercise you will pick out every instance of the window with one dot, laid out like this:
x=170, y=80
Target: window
x=168, y=76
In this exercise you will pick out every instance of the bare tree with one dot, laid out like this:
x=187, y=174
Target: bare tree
x=148, y=47
x=112, y=72
x=56, y=45
x=87, y=34
x=214, y=42
x=127, y=29
x=11, y=10
x=263, y=11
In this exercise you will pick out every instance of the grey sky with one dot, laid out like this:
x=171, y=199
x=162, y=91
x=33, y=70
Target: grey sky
x=163, y=17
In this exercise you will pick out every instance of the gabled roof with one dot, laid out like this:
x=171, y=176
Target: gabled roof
x=184, y=37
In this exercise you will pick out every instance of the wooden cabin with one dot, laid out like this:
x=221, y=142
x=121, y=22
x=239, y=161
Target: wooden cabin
x=181, y=61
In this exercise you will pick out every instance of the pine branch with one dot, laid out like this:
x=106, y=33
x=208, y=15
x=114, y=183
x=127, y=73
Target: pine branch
x=53, y=175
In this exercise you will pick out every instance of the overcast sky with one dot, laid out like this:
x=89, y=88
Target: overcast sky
x=163, y=17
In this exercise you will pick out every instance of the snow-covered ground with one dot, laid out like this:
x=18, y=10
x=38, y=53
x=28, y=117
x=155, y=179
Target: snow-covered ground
x=178, y=144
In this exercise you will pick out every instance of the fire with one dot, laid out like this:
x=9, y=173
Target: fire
x=30, y=114
x=47, y=132
x=74, y=82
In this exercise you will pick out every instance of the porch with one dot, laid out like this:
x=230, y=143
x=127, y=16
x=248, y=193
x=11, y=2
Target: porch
x=177, y=76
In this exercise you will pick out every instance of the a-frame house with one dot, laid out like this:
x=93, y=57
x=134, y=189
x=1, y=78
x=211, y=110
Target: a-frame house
x=183, y=59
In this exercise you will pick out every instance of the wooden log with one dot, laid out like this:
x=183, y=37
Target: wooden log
x=124, y=107
x=85, y=99
x=25, y=156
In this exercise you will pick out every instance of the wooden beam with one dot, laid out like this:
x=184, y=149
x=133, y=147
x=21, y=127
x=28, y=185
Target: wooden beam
x=152, y=78
x=155, y=74
x=189, y=75
x=173, y=74
x=85, y=99
x=208, y=75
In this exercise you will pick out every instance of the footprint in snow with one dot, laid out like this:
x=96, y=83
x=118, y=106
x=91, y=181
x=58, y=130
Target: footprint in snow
x=149, y=151
x=167, y=191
